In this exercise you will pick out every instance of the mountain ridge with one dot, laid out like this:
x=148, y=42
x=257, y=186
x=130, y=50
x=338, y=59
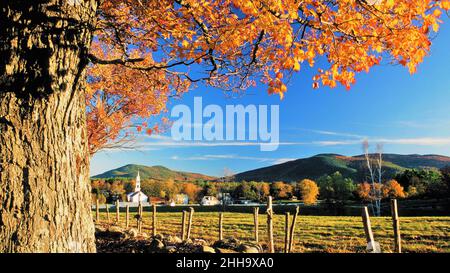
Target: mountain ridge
x=294, y=170
x=350, y=166
x=156, y=172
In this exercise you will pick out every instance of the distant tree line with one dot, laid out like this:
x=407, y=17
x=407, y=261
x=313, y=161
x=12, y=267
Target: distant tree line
x=332, y=189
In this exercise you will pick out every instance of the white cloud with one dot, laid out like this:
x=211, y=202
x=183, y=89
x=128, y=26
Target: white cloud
x=424, y=124
x=231, y=156
x=157, y=142
x=221, y=156
x=333, y=133
x=128, y=149
x=336, y=142
x=157, y=137
x=214, y=143
x=424, y=141
x=427, y=141
x=283, y=160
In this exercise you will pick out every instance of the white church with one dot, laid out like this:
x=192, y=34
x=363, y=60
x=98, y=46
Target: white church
x=137, y=196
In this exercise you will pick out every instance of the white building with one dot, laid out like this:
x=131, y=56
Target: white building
x=209, y=201
x=137, y=196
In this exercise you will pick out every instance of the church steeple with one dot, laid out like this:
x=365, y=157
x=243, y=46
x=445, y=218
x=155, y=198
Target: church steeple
x=138, y=183
x=137, y=195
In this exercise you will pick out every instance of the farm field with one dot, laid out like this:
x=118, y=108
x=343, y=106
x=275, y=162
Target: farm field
x=330, y=234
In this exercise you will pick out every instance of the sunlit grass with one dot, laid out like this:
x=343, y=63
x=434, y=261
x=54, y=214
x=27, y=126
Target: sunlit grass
x=312, y=233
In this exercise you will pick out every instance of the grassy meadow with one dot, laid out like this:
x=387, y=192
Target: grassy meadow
x=331, y=234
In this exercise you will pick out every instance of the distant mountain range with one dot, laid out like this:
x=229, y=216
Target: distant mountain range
x=152, y=172
x=312, y=167
x=349, y=166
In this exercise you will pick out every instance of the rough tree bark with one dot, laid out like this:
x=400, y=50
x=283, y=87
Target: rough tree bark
x=44, y=158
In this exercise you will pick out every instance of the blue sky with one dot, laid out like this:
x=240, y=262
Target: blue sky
x=407, y=113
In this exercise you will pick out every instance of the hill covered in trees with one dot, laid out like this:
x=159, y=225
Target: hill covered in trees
x=313, y=167
x=152, y=172
x=349, y=166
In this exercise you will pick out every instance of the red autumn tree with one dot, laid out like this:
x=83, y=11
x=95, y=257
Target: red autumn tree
x=139, y=53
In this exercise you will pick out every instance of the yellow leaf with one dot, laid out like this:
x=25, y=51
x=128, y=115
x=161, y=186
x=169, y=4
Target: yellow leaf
x=379, y=48
x=445, y=4
x=389, y=3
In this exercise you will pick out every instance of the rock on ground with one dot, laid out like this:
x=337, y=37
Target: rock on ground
x=113, y=239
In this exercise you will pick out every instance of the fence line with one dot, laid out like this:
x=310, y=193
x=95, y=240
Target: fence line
x=289, y=226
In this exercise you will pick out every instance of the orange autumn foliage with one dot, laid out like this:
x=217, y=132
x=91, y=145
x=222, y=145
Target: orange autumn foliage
x=364, y=191
x=393, y=189
x=191, y=190
x=145, y=52
x=309, y=191
x=390, y=189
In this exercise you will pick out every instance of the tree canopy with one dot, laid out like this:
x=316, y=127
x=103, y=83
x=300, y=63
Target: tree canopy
x=336, y=187
x=308, y=191
x=145, y=52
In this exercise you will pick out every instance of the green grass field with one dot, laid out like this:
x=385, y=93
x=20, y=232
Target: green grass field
x=330, y=234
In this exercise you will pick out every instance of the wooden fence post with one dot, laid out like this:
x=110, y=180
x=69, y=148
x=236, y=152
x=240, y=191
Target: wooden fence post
x=97, y=212
x=127, y=221
x=396, y=226
x=117, y=212
x=255, y=220
x=270, y=224
x=154, y=220
x=367, y=226
x=286, y=233
x=221, y=226
x=191, y=214
x=107, y=211
x=142, y=212
x=183, y=226
x=139, y=219
x=291, y=233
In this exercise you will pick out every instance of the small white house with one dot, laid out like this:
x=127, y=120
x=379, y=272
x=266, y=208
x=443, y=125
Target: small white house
x=137, y=196
x=209, y=201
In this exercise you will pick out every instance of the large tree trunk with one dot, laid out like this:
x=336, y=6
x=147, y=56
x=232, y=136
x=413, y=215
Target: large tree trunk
x=44, y=159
